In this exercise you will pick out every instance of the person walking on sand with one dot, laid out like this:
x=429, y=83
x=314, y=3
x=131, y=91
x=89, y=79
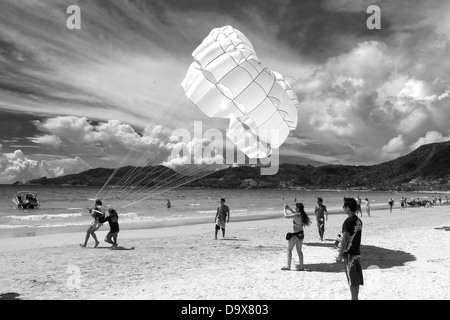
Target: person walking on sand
x=358, y=205
x=168, y=205
x=350, y=247
x=391, y=204
x=402, y=203
x=368, y=207
x=295, y=239
x=97, y=213
x=320, y=211
x=113, y=220
x=222, y=218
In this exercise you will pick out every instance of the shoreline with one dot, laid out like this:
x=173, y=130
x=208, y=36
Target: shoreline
x=15, y=233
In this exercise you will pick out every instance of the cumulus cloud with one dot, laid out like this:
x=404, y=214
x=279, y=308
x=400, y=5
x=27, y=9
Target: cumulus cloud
x=113, y=141
x=16, y=166
x=49, y=140
x=394, y=147
x=365, y=95
x=194, y=157
x=430, y=137
x=367, y=99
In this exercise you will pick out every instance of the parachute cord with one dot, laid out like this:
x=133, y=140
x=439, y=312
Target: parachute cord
x=173, y=98
x=196, y=177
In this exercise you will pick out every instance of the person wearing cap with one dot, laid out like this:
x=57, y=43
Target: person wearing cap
x=97, y=213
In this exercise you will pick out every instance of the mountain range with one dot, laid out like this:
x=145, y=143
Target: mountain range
x=426, y=168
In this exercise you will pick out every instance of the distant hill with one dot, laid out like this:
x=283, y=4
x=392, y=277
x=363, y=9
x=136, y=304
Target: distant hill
x=426, y=168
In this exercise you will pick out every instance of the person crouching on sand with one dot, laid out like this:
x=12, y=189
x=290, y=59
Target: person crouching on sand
x=97, y=213
x=113, y=220
x=300, y=219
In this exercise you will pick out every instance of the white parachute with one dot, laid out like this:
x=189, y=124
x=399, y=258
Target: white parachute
x=227, y=80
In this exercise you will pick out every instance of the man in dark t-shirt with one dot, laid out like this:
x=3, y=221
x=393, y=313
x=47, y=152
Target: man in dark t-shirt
x=113, y=220
x=350, y=247
x=222, y=218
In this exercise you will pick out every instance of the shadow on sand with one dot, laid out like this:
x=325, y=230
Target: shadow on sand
x=371, y=256
x=446, y=228
x=9, y=296
x=111, y=248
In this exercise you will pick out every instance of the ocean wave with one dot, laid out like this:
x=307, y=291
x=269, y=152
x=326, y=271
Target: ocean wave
x=46, y=216
x=16, y=226
x=206, y=211
x=232, y=211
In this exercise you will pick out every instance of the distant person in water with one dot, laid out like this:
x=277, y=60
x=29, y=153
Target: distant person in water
x=295, y=239
x=97, y=213
x=222, y=218
x=321, y=215
x=169, y=205
x=113, y=220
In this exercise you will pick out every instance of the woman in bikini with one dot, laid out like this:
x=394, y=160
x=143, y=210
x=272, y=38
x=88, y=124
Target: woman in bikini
x=300, y=219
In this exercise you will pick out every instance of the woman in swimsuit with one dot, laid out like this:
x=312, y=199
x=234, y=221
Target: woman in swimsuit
x=300, y=219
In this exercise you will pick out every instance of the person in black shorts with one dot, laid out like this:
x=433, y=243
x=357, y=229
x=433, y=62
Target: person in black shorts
x=295, y=239
x=350, y=247
x=222, y=218
x=320, y=211
x=113, y=220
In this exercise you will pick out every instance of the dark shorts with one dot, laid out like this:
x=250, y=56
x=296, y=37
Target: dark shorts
x=321, y=224
x=299, y=235
x=353, y=270
x=111, y=235
x=218, y=227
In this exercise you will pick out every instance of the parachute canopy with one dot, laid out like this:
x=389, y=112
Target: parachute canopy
x=227, y=80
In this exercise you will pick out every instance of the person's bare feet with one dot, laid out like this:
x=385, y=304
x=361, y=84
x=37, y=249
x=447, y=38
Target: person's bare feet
x=96, y=244
x=83, y=245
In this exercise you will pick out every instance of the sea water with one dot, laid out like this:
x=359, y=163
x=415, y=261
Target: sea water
x=65, y=208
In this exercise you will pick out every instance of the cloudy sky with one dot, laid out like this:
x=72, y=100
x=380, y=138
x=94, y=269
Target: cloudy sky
x=71, y=100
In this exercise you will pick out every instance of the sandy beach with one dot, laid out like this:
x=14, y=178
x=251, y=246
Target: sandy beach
x=405, y=256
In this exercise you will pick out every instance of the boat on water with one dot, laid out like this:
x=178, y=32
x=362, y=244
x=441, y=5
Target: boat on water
x=26, y=200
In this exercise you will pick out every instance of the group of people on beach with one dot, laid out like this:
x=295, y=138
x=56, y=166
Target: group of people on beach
x=349, y=249
x=350, y=239
x=358, y=206
x=99, y=215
